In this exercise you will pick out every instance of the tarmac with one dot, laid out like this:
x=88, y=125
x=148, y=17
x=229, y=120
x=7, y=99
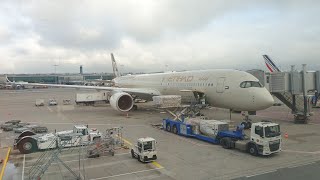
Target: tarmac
x=178, y=157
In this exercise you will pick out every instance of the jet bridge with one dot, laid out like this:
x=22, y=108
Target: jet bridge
x=295, y=89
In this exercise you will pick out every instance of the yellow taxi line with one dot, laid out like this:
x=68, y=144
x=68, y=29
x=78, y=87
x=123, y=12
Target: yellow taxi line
x=154, y=162
x=5, y=163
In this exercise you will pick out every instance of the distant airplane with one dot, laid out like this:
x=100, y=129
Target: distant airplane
x=230, y=89
x=270, y=64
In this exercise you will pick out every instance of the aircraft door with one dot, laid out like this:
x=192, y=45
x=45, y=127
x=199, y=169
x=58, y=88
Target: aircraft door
x=220, y=85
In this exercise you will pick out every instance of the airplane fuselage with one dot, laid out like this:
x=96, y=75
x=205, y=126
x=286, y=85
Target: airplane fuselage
x=222, y=88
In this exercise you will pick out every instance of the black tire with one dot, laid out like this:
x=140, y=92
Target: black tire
x=96, y=139
x=139, y=158
x=155, y=157
x=27, y=146
x=134, y=107
x=223, y=143
x=174, y=129
x=132, y=153
x=226, y=143
x=253, y=150
x=168, y=127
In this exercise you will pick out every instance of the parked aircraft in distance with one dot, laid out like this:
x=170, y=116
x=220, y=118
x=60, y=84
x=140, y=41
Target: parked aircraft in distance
x=230, y=89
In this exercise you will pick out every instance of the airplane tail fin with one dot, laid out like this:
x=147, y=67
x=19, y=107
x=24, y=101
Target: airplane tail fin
x=114, y=67
x=270, y=64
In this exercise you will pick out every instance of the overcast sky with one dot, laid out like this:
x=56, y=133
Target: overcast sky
x=157, y=35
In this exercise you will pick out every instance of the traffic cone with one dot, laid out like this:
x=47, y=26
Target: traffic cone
x=286, y=135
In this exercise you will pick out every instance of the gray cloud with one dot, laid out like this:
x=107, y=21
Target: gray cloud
x=192, y=34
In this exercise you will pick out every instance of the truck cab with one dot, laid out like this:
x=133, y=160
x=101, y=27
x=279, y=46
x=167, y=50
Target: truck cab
x=265, y=138
x=145, y=150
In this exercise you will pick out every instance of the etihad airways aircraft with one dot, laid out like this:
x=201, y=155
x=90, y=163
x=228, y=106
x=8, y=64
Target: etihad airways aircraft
x=230, y=89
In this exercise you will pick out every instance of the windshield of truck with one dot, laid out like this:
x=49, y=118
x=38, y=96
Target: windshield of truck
x=272, y=131
x=147, y=145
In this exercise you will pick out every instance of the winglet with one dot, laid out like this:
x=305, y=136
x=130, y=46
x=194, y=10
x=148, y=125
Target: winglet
x=114, y=67
x=270, y=64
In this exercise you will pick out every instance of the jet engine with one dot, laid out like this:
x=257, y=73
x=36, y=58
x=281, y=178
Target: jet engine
x=121, y=101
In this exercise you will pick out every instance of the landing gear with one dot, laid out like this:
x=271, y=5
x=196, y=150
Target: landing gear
x=247, y=121
x=134, y=107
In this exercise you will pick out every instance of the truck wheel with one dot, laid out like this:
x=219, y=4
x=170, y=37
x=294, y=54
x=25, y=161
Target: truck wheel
x=174, y=129
x=134, y=107
x=27, y=146
x=253, y=150
x=168, y=127
x=132, y=153
x=139, y=158
x=225, y=143
x=155, y=157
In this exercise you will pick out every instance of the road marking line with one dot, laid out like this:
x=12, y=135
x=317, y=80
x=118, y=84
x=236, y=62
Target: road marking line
x=126, y=141
x=265, y=172
x=49, y=109
x=106, y=177
x=154, y=162
x=23, y=164
x=298, y=165
x=5, y=163
x=157, y=164
x=303, y=152
x=81, y=159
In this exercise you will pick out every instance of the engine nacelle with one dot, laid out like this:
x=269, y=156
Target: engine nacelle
x=121, y=101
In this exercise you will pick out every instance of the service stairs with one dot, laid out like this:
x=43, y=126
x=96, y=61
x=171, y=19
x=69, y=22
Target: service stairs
x=295, y=103
x=47, y=157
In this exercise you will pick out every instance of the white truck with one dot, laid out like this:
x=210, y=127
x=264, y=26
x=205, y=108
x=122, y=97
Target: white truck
x=91, y=98
x=52, y=102
x=29, y=142
x=145, y=150
x=264, y=138
x=39, y=102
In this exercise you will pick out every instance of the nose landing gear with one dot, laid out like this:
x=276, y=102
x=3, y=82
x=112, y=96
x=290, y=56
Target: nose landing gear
x=247, y=121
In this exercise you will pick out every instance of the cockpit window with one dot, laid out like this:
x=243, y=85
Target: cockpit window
x=247, y=84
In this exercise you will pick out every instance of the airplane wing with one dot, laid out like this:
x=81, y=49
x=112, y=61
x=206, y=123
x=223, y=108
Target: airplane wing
x=141, y=92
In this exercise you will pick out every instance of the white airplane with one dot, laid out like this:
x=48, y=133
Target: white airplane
x=230, y=89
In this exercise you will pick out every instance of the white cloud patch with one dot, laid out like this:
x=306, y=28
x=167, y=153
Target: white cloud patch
x=148, y=35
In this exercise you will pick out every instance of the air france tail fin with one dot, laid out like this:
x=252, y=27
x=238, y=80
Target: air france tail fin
x=270, y=64
x=114, y=67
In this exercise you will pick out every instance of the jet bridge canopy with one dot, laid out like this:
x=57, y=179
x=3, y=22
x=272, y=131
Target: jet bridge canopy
x=293, y=88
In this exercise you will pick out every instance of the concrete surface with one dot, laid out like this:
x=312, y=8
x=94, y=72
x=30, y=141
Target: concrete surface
x=178, y=157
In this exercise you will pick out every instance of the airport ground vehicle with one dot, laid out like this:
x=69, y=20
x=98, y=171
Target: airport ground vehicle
x=28, y=142
x=13, y=124
x=53, y=102
x=265, y=138
x=91, y=98
x=39, y=102
x=145, y=150
x=33, y=128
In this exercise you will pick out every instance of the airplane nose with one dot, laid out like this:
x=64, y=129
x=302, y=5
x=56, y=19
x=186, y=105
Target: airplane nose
x=263, y=100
